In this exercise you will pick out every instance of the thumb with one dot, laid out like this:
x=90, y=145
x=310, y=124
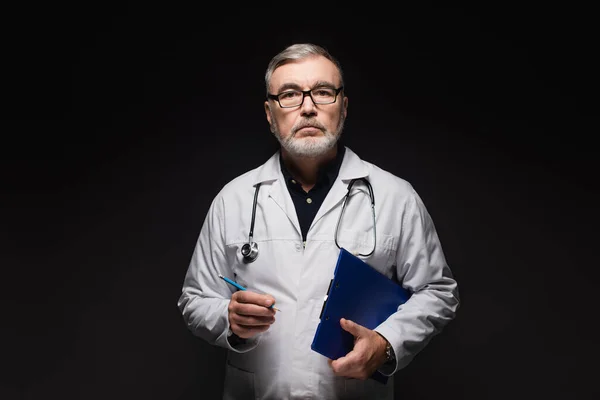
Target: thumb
x=352, y=327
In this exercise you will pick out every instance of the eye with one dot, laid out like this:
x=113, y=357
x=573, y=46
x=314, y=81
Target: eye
x=288, y=95
x=323, y=92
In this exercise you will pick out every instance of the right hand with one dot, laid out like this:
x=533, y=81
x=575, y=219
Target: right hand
x=249, y=313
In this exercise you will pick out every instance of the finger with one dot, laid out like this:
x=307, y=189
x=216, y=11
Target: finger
x=251, y=320
x=352, y=327
x=250, y=297
x=247, y=332
x=250, y=309
x=342, y=366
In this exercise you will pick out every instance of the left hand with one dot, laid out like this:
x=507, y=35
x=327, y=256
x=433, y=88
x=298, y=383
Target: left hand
x=367, y=355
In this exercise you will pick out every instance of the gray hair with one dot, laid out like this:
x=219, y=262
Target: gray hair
x=298, y=52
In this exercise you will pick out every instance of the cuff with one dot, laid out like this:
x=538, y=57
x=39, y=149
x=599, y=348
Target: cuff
x=238, y=344
x=388, y=369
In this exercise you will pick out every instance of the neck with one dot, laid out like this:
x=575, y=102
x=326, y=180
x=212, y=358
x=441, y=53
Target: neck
x=305, y=170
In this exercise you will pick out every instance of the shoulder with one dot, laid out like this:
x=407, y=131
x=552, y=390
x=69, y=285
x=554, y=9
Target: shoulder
x=388, y=183
x=388, y=188
x=233, y=187
x=244, y=185
x=396, y=196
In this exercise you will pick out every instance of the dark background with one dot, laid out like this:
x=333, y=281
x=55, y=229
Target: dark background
x=122, y=123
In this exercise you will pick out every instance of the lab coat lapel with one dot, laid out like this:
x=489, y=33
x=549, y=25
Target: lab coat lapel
x=352, y=167
x=334, y=197
x=278, y=191
x=281, y=196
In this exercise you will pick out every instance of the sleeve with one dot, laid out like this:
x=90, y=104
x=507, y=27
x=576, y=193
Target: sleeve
x=422, y=268
x=205, y=297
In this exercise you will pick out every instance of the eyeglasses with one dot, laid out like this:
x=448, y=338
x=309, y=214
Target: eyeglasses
x=293, y=98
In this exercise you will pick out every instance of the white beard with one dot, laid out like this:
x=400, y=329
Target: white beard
x=309, y=146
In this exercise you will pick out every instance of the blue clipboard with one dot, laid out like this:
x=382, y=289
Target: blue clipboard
x=360, y=293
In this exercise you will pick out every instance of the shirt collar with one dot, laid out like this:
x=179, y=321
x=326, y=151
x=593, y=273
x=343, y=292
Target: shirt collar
x=351, y=167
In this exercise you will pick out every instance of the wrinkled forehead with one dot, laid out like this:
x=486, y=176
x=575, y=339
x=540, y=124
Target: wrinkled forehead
x=305, y=74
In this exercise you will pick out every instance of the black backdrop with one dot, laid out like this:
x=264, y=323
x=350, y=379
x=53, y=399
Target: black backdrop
x=122, y=123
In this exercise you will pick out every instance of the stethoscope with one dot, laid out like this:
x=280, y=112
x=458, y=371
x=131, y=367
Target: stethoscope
x=250, y=249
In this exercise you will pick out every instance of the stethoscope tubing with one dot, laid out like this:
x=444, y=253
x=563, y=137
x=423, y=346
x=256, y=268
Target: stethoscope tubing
x=250, y=249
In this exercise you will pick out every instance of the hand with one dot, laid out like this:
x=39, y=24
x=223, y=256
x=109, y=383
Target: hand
x=249, y=313
x=367, y=355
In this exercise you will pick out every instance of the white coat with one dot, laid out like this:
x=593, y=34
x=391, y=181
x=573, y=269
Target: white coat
x=279, y=363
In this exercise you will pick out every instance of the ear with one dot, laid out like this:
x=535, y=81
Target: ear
x=268, y=112
x=345, y=111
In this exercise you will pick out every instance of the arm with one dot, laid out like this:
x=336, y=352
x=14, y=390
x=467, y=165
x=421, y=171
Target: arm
x=205, y=298
x=422, y=268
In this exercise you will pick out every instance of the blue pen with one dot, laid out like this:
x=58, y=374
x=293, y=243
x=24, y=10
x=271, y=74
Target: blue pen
x=237, y=285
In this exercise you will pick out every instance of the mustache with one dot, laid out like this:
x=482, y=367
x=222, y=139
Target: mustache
x=306, y=123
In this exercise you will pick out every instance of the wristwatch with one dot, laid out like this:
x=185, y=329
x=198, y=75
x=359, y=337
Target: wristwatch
x=389, y=354
x=234, y=339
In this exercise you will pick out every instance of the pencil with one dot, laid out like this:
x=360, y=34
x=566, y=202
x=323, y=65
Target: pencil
x=237, y=285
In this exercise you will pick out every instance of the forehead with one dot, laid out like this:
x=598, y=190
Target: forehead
x=305, y=73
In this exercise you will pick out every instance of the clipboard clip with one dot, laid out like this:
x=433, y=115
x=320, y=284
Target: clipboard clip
x=325, y=299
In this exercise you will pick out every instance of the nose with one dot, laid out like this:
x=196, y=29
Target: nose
x=308, y=106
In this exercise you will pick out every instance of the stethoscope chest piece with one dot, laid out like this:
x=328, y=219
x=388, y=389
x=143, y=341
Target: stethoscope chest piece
x=250, y=251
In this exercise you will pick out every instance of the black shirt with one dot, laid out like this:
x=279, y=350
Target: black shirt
x=307, y=203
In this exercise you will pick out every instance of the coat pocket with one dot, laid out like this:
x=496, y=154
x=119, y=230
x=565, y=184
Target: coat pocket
x=383, y=254
x=239, y=384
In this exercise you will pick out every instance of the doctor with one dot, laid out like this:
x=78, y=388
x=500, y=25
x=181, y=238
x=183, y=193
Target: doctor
x=286, y=212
